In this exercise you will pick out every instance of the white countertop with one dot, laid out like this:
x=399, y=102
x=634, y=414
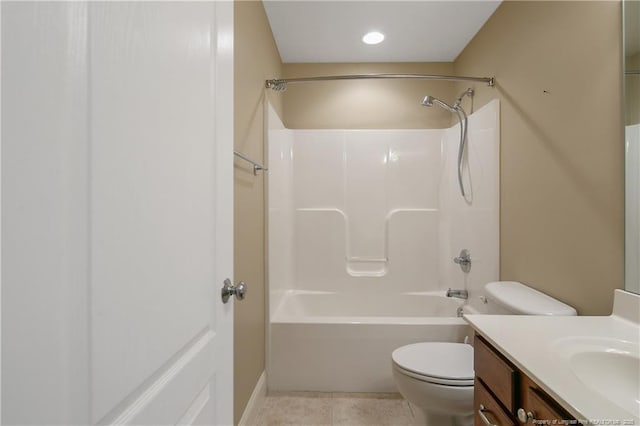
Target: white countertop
x=531, y=343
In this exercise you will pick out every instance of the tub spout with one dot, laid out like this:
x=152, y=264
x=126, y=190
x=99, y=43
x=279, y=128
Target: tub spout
x=460, y=294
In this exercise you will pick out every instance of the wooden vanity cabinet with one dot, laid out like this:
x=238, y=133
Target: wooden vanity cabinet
x=505, y=396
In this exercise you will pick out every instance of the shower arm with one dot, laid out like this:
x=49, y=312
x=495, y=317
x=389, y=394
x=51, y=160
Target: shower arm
x=469, y=92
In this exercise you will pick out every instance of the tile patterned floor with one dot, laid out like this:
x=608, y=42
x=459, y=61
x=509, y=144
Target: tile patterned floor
x=334, y=409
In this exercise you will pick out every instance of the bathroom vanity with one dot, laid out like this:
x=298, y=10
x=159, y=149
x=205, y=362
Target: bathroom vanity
x=504, y=395
x=579, y=370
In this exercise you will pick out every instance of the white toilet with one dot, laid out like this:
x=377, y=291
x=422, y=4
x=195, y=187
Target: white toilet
x=437, y=377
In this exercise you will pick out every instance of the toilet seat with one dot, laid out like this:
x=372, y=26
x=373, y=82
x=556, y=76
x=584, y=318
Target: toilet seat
x=442, y=363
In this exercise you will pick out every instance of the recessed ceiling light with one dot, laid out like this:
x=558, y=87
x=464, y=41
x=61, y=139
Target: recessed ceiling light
x=373, y=37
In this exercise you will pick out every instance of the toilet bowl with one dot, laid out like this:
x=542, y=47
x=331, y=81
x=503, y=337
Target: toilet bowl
x=437, y=377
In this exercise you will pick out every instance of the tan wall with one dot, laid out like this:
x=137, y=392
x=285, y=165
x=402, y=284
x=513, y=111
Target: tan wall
x=365, y=104
x=256, y=59
x=558, y=72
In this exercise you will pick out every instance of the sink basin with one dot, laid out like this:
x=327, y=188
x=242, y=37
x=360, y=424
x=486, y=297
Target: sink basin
x=608, y=367
x=614, y=375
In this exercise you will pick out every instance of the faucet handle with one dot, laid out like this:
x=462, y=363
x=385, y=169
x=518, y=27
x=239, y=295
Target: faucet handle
x=464, y=260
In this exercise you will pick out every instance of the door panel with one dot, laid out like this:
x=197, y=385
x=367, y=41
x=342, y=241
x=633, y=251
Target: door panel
x=152, y=192
x=169, y=399
x=117, y=194
x=44, y=168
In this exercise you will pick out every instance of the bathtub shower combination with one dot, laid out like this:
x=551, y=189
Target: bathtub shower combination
x=363, y=229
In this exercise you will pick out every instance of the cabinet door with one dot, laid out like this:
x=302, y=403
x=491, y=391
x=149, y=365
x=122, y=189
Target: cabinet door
x=541, y=407
x=496, y=373
x=488, y=411
x=537, y=405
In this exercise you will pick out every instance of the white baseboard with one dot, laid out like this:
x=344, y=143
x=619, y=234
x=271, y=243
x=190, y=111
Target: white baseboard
x=258, y=396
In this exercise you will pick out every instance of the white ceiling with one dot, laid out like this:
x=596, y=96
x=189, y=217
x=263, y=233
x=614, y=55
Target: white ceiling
x=416, y=31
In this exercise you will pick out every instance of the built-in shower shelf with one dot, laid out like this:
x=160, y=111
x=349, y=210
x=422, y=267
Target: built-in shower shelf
x=367, y=267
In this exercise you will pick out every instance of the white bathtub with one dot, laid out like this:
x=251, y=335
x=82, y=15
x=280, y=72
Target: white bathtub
x=334, y=342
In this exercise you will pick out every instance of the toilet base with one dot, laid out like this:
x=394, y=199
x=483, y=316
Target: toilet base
x=422, y=418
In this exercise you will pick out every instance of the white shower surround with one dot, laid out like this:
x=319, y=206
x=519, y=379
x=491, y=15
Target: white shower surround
x=368, y=222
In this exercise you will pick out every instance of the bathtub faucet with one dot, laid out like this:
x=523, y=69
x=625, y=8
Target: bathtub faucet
x=460, y=294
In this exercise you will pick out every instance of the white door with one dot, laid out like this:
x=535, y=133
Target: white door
x=116, y=212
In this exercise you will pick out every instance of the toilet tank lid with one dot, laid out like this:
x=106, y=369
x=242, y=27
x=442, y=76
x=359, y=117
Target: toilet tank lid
x=525, y=300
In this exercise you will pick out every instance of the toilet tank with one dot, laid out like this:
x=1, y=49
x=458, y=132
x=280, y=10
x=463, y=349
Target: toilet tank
x=514, y=298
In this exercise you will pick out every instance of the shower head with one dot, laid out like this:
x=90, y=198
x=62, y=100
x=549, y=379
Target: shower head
x=430, y=100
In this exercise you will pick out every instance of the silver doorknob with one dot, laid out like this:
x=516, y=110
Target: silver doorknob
x=229, y=290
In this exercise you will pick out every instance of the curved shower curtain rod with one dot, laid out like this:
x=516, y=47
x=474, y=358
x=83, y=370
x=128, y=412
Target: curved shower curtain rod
x=280, y=84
